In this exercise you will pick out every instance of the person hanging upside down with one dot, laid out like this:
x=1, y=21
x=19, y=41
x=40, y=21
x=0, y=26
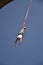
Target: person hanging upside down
x=20, y=35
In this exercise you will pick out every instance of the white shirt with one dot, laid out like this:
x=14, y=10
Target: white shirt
x=19, y=36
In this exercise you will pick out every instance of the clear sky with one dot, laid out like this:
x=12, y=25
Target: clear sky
x=11, y=19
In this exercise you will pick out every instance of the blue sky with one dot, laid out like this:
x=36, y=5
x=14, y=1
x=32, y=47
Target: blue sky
x=11, y=19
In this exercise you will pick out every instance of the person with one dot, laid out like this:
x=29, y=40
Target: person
x=20, y=35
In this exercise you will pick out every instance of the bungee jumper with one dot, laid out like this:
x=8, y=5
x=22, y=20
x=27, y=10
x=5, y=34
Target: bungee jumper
x=20, y=35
